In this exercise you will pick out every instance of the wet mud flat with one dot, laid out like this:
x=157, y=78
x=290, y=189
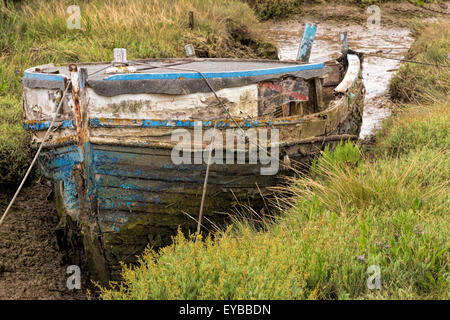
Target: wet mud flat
x=31, y=265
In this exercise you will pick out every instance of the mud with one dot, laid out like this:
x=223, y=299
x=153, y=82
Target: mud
x=31, y=266
x=398, y=14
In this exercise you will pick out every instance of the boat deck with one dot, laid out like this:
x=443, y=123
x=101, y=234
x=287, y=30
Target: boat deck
x=171, y=76
x=163, y=69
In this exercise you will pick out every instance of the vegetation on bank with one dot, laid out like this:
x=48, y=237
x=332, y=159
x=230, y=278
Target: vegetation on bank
x=416, y=2
x=281, y=9
x=35, y=32
x=272, y=9
x=389, y=210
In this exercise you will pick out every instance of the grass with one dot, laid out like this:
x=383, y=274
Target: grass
x=416, y=2
x=35, y=32
x=416, y=127
x=389, y=210
x=282, y=9
x=352, y=212
x=14, y=153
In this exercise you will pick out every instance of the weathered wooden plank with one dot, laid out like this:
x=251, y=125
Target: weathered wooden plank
x=146, y=201
x=318, y=86
x=112, y=160
x=354, y=66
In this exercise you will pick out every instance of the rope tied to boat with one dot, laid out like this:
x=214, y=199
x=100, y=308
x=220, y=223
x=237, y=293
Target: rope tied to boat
x=36, y=155
x=406, y=60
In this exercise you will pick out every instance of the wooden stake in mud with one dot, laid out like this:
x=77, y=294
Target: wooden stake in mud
x=191, y=19
x=344, y=41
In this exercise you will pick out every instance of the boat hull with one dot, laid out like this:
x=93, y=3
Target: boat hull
x=118, y=189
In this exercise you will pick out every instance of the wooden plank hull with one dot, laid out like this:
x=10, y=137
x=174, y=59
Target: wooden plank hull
x=118, y=189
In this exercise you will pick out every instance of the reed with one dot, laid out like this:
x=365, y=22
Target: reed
x=420, y=83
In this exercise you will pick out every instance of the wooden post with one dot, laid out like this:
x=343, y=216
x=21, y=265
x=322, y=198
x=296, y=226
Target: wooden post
x=191, y=19
x=344, y=41
x=304, y=51
x=120, y=56
x=285, y=108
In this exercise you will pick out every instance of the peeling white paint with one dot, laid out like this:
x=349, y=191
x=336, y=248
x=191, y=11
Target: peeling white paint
x=241, y=101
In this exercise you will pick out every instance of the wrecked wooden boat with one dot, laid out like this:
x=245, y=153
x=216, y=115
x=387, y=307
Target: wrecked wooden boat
x=110, y=153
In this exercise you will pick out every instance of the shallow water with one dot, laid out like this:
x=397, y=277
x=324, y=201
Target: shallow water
x=388, y=41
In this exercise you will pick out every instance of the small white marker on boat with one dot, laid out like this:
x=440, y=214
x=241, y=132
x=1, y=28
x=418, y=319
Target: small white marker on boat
x=120, y=63
x=120, y=56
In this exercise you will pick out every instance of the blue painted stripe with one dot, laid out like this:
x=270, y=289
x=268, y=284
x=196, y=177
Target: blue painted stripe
x=43, y=125
x=42, y=76
x=149, y=123
x=213, y=75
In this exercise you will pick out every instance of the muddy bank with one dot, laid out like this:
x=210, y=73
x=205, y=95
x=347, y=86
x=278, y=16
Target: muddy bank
x=398, y=14
x=31, y=266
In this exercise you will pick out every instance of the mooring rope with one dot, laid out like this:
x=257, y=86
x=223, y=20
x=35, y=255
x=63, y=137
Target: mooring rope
x=35, y=156
x=406, y=60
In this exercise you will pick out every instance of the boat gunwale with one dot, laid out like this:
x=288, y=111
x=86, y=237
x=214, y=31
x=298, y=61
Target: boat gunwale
x=30, y=73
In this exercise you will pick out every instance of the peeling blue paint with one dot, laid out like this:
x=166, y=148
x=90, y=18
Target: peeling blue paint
x=44, y=125
x=59, y=164
x=43, y=76
x=307, y=42
x=151, y=123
